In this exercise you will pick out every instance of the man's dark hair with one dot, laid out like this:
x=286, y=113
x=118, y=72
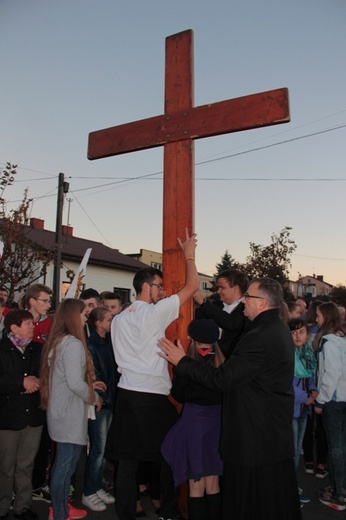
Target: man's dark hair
x=89, y=293
x=272, y=291
x=292, y=305
x=235, y=277
x=145, y=275
x=108, y=295
x=297, y=323
x=2, y=288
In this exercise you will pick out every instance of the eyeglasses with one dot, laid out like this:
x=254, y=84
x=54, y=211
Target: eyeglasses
x=44, y=300
x=247, y=295
x=158, y=285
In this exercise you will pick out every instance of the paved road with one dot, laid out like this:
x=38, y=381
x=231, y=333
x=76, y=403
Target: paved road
x=310, y=484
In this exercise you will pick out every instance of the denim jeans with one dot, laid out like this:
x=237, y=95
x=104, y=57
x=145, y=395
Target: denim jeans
x=334, y=422
x=298, y=427
x=66, y=459
x=98, y=429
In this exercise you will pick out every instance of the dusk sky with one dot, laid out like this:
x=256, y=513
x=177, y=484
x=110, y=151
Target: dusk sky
x=71, y=67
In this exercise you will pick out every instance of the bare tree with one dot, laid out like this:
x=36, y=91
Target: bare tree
x=22, y=262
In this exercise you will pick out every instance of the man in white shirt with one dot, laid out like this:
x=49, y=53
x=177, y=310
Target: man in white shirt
x=143, y=413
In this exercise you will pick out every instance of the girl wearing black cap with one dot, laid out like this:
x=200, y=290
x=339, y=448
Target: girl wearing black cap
x=191, y=447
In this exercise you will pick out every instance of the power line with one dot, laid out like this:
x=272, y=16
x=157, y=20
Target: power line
x=273, y=144
x=35, y=171
x=121, y=180
x=93, y=223
x=32, y=180
x=47, y=196
x=322, y=258
x=233, y=179
x=237, y=153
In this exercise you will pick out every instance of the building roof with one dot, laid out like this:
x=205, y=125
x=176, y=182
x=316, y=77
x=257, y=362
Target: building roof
x=74, y=248
x=314, y=278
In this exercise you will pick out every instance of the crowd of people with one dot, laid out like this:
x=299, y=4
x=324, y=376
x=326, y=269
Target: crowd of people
x=262, y=381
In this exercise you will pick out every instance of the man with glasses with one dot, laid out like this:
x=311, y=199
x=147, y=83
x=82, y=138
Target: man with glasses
x=37, y=300
x=256, y=440
x=228, y=311
x=143, y=413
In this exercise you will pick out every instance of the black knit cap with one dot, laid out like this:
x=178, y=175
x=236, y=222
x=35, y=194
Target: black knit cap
x=203, y=331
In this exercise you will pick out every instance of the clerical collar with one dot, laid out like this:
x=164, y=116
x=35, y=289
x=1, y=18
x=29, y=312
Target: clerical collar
x=230, y=307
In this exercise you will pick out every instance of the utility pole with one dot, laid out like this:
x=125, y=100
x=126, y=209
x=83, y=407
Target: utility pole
x=63, y=188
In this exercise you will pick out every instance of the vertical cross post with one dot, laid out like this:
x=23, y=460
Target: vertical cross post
x=176, y=131
x=178, y=185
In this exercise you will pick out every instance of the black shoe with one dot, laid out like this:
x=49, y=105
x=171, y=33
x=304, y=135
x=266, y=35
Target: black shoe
x=26, y=514
x=43, y=493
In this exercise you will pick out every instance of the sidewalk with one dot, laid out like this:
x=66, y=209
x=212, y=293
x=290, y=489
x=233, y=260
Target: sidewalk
x=309, y=483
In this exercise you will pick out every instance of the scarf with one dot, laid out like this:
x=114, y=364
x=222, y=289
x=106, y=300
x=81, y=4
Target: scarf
x=304, y=361
x=20, y=343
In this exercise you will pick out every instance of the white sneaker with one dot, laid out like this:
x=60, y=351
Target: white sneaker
x=105, y=497
x=93, y=502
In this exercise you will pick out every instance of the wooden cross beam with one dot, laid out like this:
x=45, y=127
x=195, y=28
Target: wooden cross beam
x=176, y=131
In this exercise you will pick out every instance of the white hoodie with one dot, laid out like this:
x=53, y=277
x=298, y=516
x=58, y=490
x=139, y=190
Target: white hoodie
x=331, y=373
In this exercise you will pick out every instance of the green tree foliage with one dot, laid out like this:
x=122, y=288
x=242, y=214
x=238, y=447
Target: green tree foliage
x=21, y=263
x=227, y=262
x=272, y=261
x=338, y=295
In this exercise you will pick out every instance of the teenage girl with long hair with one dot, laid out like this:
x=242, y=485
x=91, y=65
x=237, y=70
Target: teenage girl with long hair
x=191, y=447
x=331, y=399
x=67, y=388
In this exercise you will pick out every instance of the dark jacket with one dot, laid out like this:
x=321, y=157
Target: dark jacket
x=105, y=367
x=17, y=408
x=233, y=325
x=258, y=394
x=186, y=391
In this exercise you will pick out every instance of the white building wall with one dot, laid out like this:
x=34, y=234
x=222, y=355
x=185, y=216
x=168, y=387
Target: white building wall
x=105, y=279
x=99, y=278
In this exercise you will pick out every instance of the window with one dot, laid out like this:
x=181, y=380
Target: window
x=65, y=287
x=124, y=293
x=156, y=265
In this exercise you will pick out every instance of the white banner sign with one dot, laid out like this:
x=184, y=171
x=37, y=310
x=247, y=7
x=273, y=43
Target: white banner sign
x=77, y=282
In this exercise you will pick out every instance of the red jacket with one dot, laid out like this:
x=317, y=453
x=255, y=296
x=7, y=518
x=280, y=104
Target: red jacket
x=42, y=328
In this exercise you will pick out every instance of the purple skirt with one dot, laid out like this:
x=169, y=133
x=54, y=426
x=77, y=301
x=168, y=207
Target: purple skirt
x=191, y=447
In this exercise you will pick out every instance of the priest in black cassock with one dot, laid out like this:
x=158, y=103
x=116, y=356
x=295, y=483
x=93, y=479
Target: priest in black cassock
x=256, y=439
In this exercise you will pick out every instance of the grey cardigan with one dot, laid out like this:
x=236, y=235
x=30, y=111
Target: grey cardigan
x=67, y=411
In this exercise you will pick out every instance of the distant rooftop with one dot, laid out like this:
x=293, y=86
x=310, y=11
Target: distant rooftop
x=73, y=248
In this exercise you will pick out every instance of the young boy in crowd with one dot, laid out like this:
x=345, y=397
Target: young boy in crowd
x=112, y=301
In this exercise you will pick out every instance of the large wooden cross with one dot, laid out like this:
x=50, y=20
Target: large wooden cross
x=176, y=131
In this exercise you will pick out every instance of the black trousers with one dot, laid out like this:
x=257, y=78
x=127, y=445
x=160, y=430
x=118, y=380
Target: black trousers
x=261, y=492
x=126, y=491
